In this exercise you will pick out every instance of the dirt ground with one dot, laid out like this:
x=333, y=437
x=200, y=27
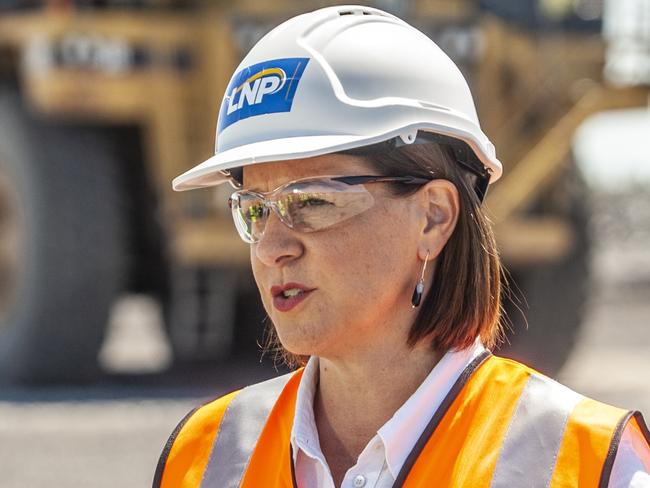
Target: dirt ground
x=111, y=434
x=612, y=360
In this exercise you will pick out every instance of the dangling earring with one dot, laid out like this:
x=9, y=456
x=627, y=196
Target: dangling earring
x=419, y=288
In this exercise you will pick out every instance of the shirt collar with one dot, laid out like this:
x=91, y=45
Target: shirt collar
x=304, y=434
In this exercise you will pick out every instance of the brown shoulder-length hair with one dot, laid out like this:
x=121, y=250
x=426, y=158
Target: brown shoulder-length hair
x=464, y=298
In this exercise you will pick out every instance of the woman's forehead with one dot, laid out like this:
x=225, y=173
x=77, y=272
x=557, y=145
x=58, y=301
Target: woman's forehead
x=267, y=176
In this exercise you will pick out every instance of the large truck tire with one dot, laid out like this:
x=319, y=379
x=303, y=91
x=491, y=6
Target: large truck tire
x=547, y=302
x=61, y=246
x=213, y=314
x=200, y=313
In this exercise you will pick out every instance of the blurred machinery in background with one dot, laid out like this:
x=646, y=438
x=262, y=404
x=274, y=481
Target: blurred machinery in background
x=102, y=103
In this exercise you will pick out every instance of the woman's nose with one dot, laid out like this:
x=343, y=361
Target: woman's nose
x=278, y=243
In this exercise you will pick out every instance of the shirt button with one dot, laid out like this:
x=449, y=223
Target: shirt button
x=359, y=481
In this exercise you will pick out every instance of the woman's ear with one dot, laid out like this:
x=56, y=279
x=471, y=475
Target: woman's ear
x=439, y=205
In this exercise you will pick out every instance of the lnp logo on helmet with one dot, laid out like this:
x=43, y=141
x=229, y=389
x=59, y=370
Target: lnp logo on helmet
x=262, y=88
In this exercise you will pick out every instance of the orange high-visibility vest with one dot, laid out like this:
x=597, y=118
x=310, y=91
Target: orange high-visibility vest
x=501, y=425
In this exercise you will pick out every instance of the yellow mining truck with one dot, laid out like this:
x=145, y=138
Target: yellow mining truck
x=103, y=103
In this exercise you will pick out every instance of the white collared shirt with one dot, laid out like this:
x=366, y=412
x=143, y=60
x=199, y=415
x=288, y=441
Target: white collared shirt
x=381, y=460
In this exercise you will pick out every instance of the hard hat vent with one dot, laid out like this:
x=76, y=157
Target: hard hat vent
x=360, y=11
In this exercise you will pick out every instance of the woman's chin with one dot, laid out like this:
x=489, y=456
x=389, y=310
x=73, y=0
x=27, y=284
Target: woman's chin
x=299, y=341
x=298, y=347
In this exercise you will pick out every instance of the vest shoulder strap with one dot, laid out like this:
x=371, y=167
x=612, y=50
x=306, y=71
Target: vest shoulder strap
x=592, y=436
x=239, y=432
x=559, y=437
x=212, y=444
x=508, y=425
x=185, y=454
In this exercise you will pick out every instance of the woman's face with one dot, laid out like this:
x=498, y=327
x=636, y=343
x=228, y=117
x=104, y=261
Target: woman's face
x=362, y=271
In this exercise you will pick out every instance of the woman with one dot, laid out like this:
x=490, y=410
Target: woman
x=361, y=168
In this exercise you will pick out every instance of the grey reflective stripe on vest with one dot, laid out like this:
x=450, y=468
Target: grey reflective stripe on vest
x=532, y=441
x=240, y=428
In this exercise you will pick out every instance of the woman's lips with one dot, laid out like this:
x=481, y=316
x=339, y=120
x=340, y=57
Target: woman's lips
x=285, y=304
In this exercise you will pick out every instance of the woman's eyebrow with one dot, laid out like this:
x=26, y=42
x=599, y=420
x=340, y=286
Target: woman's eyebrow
x=268, y=189
x=255, y=189
x=252, y=188
x=286, y=182
x=272, y=188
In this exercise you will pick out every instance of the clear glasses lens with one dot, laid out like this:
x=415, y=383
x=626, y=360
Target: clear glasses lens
x=305, y=206
x=248, y=212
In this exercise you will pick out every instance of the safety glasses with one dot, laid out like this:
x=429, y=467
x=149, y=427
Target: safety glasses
x=307, y=204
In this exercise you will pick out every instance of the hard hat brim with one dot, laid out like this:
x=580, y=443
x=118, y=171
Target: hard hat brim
x=213, y=171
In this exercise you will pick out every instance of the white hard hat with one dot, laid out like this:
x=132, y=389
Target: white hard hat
x=336, y=79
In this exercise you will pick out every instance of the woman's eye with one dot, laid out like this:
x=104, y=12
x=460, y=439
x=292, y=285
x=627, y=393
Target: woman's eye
x=308, y=199
x=312, y=202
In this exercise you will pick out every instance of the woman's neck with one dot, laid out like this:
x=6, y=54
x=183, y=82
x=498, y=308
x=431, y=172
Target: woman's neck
x=356, y=397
